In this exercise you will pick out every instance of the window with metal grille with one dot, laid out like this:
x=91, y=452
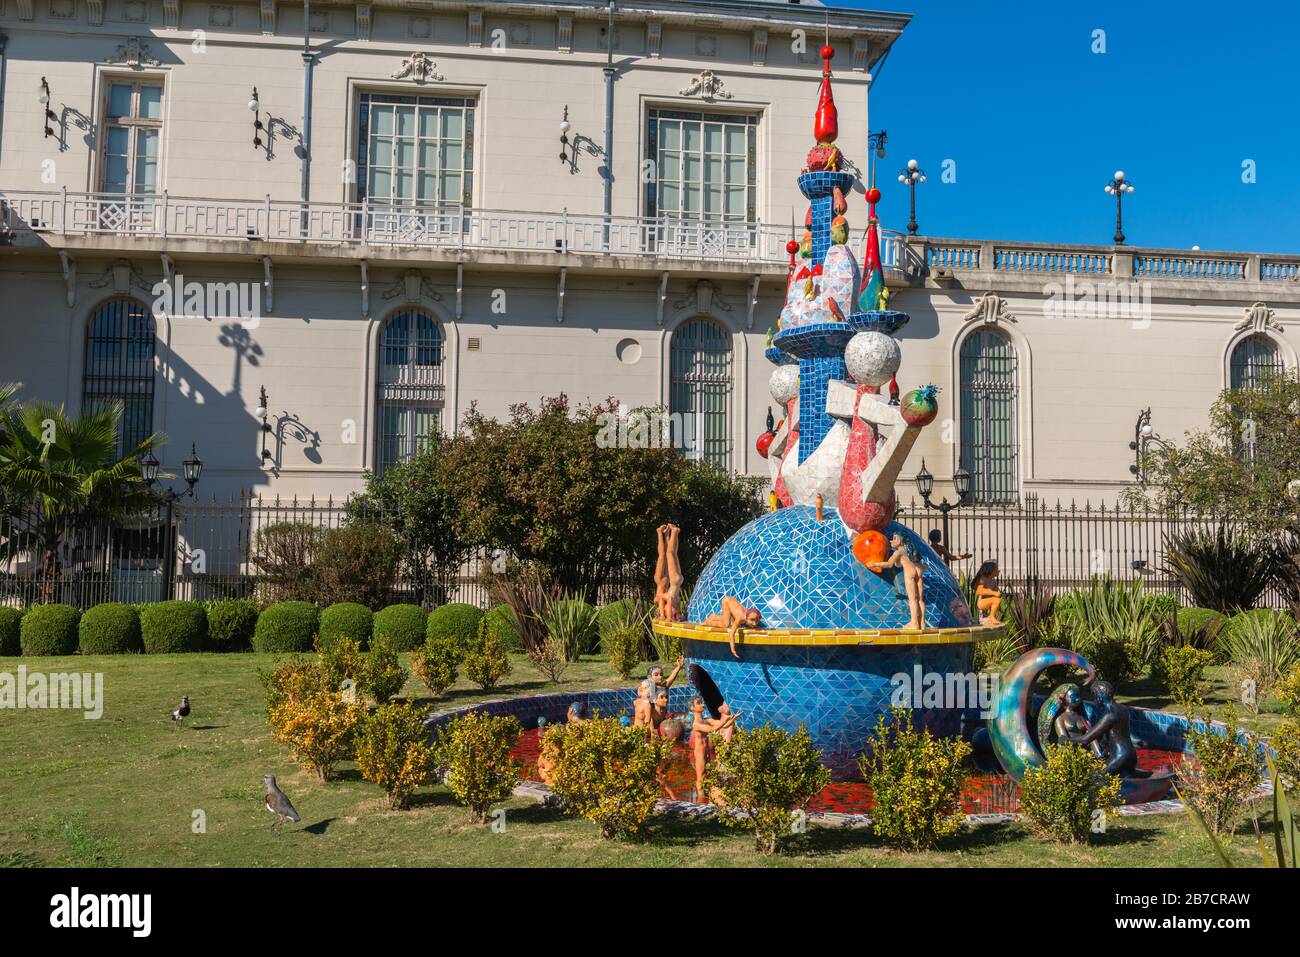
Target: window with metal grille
x=699, y=390
x=989, y=393
x=1254, y=361
x=410, y=392
x=119, y=367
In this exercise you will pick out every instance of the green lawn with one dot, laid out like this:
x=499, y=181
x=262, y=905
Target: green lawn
x=124, y=790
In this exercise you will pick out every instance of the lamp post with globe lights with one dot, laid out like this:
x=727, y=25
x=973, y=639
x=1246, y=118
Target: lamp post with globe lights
x=1144, y=435
x=909, y=177
x=961, y=483
x=1117, y=187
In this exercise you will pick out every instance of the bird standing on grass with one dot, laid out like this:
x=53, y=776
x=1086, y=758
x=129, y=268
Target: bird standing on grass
x=183, y=712
x=279, y=804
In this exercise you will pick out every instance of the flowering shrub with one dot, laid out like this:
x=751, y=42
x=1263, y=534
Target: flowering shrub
x=605, y=772
x=392, y=750
x=1182, y=669
x=435, y=664
x=486, y=661
x=623, y=645
x=384, y=674
x=1061, y=796
x=475, y=751
x=318, y=728
x=547, y=656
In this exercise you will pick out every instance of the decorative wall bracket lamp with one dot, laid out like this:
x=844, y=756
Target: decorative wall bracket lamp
x=255, y=105
x=564, y=136
x=1144, y=436
x=44, y=96
x=263, y=408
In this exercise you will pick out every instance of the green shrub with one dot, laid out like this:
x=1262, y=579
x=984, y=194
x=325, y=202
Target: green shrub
x=110, y=629
x=766, y=774
x=282, y=555
x=1116, y=625
x=356, y=563
x=605, y=773
x=346, y=619
x=623, y=646
x=916, y=781
x=572, y=623
x=1286, y=742
x=475, y=752
x=1222, y=569
x=501, y=622
x=547, y=656
x=456, y=621
x=384, y=674
x=341, y=662
x=403, y=625
x=1193, y=617
x=10, y=631
x=49, y=630
x=392, y=751
x=1062, y=796
x=286, y=626
x=231, y=624
x=318, y=727
x=171, y=627
x=435, y=664
x=1288, y=690
x=1263, y=645
x=1182, y=670
x=1218, y=783
x=485, y=660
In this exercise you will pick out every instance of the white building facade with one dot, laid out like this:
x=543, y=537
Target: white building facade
x=367, y=210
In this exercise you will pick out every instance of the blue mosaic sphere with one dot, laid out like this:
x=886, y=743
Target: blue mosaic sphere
x=801, y=573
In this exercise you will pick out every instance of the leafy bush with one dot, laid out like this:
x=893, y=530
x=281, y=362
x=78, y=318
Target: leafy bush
x=384, y=674
x=916, y=780
x=287, y=626
x=475, y=751
x=293, y=678
x=340, y=662
x=572, y=623
x=1192, y=617
x=355, y=563
x=346, y=619
x=457, y=621
x=1225, y=771
x=766, y=774
x=169, y=627
x=1288, y=690
x=485, y=660
x=501, y=622
x=403, y=625
x=525, y=593
x=666, y=647
x=1061, y=796
x=10, y=631
x=1222, y=569
x=49, y=630
x=1200, y=631
x=605, y=773
x=435, y=664
x=1182, y=671
x=625, y=614
x=1115, y=625
x=1263, y=645
x=1286, y=742
x=392, y=751
x=1029, y=614
x=282, y=555
x=318, y=728
x=231, y=624
x=110, y=629
x=997, y=654
x=623, y=646
x=548, y=658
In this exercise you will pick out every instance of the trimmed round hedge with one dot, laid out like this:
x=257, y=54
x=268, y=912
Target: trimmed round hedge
x=403, y=625
x=501, y=623
x=346, y=619
x=286, y=626
x=10, y=631
x=173, y=627
x=610, y=615
x=49, y=630
x=110, y=629
x=231, y=623
x=456, y=621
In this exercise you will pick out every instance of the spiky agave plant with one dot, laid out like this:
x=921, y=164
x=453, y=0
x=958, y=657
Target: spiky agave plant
x=1222, y=569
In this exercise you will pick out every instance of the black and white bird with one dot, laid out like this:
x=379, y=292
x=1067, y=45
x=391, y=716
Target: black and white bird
x=183, y=712
x=279, y=804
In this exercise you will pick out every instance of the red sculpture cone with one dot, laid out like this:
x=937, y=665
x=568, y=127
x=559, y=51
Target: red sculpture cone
x=826, y=122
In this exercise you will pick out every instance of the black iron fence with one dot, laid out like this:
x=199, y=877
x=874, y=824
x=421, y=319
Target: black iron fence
x=206, y=550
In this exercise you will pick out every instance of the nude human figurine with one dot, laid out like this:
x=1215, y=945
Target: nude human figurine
x=1071, y=722
x=733, y=616
x=1110, y=737
x=659, y=707
x=988, y=598
x=941, y=548
x=668, y=575
x=906, y=557
x=701, y=747
x=643, y=707
x=656, y=675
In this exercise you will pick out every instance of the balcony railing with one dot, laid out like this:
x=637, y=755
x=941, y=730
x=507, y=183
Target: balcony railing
x=421, y=226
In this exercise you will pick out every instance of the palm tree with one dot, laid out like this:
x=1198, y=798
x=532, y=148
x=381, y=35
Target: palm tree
x=60, y=473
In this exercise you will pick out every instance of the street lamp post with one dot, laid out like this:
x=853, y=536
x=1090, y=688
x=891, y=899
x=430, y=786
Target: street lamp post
x=961, y=481
x=191, y=469
x=1117, y=187
x=909, y=177
x=1144, y=435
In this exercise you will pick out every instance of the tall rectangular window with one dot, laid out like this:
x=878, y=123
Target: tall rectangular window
x=132, y=136
x=705, y=166
x=989, y=391
x=415, y=150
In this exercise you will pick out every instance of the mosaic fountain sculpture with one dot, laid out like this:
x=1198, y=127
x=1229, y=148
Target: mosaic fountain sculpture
x=831, y=636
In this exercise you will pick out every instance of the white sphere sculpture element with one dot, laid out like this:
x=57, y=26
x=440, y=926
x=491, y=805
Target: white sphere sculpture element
x=784, y=384
x=872, y=358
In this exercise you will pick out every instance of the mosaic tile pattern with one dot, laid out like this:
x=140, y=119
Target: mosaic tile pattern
x=777, y=357
x=820, y=189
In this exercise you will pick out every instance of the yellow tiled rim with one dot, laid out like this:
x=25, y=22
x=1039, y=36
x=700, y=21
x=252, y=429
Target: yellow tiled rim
x=833, y=636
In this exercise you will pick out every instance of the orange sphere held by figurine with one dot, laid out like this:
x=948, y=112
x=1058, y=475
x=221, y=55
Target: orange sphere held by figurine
x=870, y=546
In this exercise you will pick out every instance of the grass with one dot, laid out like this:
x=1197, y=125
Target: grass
x=133, y=789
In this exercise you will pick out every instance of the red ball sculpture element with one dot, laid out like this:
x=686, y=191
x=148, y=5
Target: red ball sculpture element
x=873, y=195
x=828, y=53
x=764, y=443
x=792, y=247
x=920, y=406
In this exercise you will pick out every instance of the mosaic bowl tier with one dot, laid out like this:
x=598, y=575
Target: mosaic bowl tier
x=801, y=574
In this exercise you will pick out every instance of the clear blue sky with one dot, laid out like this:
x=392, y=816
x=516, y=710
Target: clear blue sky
x=1036, y=122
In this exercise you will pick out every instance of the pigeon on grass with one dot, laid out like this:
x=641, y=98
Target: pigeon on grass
x=279, y=804
x=183, y=712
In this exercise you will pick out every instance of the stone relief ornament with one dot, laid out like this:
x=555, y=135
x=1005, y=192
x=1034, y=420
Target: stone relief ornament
x=133, y=53
x=418, y=67
x=990, y=309
x=707, y=85
x=1258, y=318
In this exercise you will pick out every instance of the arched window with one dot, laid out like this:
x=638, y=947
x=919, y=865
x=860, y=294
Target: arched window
x=699, y=389
x=989, y=390
x=119, y=367
x=1254, y=360
x=410, y=399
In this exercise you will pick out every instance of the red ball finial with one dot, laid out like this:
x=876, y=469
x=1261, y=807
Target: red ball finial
x=792, y=247
x=828, y=52
x=873, y=195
